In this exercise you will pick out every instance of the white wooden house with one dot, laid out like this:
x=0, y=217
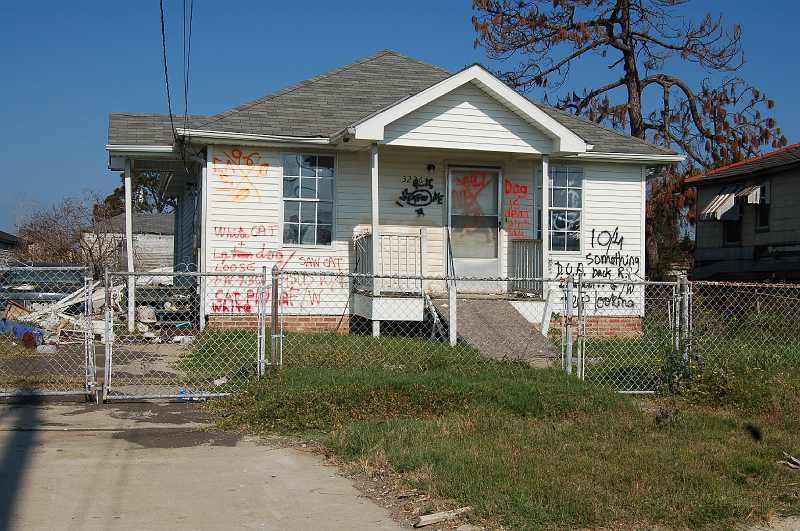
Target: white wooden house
x=444, y=170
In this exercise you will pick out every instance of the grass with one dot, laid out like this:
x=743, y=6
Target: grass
x=533, y=449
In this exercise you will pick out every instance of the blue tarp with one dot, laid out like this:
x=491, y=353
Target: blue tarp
x=7, y=326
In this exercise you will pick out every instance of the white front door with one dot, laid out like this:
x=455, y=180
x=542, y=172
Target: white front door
x=474, y=212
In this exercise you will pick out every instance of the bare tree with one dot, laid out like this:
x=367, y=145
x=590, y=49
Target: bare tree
x=720, y=120
x=713, y=124
x=74, y=231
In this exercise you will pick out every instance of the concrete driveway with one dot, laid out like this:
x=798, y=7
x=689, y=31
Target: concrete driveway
x=154, y=466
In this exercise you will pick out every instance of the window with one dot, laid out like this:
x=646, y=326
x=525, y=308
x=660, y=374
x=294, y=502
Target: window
x=732, y=227
x=762, y=213
x=566, y=198
x=308, y=199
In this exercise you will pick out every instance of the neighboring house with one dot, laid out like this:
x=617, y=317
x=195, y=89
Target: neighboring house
x=153, y=240
x=8, y=242
x=445, y=170
x=748, y=224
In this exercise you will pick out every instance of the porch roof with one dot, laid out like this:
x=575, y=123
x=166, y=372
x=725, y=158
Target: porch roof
x=326, y=105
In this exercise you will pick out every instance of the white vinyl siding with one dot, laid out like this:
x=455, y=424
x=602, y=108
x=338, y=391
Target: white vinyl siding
x=612, y=227
x=467, y=118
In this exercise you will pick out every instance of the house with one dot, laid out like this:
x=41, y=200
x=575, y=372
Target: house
x=8, y=242
x=748, y=222
x=445, y=171
x=153, y=240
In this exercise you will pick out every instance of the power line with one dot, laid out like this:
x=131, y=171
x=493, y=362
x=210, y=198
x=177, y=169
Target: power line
x=187, y=60
x=166, y=71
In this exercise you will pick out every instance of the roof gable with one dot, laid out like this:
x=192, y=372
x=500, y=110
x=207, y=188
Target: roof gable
x=564, y=140
x=468, y=118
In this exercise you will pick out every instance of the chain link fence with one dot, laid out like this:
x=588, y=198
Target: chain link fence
x=46, y=331
x=182, y=334
x=186, y=335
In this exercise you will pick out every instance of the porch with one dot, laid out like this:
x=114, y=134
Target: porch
x=401, y=259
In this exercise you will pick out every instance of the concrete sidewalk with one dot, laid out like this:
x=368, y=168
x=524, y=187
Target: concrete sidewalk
x=153, y=466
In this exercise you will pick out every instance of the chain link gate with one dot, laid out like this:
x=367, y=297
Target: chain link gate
x=630, y=336
x=46, y=333
x=192, y=335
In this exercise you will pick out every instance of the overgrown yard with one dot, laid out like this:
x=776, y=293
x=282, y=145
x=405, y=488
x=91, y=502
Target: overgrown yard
x=532, y=448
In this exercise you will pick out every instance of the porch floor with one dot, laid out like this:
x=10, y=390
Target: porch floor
x=498, y=330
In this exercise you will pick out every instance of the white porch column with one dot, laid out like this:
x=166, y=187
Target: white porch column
x=545, y=216
x=376, y=233
x=201, y=261
x=129, y=243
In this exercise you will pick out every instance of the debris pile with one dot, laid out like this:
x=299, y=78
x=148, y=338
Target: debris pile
x=43, y=322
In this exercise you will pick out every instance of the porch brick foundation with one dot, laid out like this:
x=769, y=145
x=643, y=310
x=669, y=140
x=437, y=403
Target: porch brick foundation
x=600, y=326
x=306, y=324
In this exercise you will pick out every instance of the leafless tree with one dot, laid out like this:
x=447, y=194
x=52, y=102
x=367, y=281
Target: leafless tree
x=720, y=120
x=73, y=231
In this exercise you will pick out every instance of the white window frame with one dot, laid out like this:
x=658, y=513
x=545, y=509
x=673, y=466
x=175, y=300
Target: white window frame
x=552, y=168
x=285, y=200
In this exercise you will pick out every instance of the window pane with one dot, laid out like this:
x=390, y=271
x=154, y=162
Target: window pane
x=308, y=165
x=308, y=212
x=325, y=213
x=308, y=189
x=574, y=199
x=573, y=220
x=291, y=211
x=307, y=233
x=559, y=177
x=558, y=241
x=323, y=234
x=559, y=197
x=291, y=165
x=291, y=187
x=325, y=189
x=558, y=220
x=290, y=234
x=573, y=241
x=325, y=167
x=574, y=177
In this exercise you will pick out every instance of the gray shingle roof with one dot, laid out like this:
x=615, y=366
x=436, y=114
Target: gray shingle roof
x=144, y=129
x=327, y=104
x=603, y=139
x=786, y=156
x=145, y=223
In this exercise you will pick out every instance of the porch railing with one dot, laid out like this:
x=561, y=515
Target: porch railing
x=400, y=255
x=525, y=261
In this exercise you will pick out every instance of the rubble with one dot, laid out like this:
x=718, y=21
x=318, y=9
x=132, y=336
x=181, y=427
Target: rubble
x=64, y=322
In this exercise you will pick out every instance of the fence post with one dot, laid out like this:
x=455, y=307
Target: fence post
x=88, y=337
x=568, y=324
x=684, y=316
x=109, y=340
x=579, y=328
x=273, y=323
x=262, y=322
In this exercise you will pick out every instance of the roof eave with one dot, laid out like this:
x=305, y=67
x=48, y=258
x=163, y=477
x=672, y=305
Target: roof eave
x=761, y=172
x=631, y=157
x=228, y=137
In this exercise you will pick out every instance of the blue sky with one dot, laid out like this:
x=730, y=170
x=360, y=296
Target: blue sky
x=67, y=64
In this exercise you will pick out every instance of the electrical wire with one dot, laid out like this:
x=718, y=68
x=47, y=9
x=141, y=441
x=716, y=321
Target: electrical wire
x=166, y=70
